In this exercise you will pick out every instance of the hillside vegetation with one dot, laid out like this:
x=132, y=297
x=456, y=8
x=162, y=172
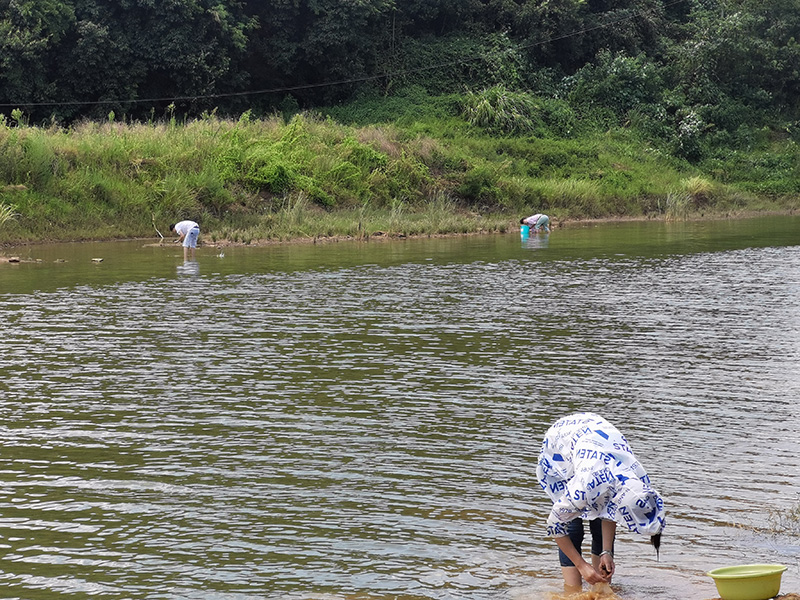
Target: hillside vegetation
x=273, y=120
x=457, y=171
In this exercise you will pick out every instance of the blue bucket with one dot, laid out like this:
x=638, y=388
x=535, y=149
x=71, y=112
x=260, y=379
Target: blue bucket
x=524, y=231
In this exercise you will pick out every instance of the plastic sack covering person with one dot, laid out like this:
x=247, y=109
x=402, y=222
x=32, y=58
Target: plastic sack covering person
x=589, y=472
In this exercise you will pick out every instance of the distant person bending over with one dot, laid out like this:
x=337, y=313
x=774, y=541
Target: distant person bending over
x=589, y=472
x=188, y=231
x=537, y=222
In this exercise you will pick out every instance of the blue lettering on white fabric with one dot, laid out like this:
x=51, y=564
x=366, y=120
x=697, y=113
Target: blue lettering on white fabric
x=589, y=454
x=627, y=517
x=557, y=530
x=580, y=433
x=587, y=468
x=600, y=477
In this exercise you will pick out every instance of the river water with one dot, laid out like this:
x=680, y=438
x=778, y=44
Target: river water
x=362, y=420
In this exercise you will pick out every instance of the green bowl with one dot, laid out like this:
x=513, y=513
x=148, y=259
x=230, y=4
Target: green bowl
x=748, y=582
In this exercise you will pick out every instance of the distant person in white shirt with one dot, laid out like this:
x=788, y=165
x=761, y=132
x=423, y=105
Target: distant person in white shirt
x=187, y=232
x=537, y=222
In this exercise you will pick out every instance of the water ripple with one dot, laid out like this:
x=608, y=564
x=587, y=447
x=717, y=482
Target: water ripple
x=372, y=430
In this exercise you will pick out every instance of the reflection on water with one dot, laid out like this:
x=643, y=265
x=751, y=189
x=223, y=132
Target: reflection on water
x=189, y=267
x=363, y=421
x=536, y=241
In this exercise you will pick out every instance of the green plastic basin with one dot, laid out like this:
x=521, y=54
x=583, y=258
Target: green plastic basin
x=748, y=582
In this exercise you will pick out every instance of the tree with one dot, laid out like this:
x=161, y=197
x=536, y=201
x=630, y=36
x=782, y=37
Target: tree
x=305, y=46
x=30, y=30
x=93, y=56
x=742, y=50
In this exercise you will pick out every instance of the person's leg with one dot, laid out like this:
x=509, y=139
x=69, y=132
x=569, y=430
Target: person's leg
x=572, y=577
x=543, y=222
x=190, y=243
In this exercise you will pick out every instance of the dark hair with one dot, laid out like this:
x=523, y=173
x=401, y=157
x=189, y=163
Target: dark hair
x=172, y=227
x=522, y=221
x=656, y=541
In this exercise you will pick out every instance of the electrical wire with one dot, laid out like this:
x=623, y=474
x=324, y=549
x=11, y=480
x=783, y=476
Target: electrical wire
x=309, y=86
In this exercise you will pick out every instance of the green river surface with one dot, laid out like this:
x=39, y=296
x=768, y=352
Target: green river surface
x=351, y=420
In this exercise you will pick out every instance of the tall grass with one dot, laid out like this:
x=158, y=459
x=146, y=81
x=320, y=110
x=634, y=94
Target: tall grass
x=677, y=206
x=502, y=110
x=252, y=179
x=785, y=521
x=6, y=214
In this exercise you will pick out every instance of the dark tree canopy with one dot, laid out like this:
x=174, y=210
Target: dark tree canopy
x=72, y=59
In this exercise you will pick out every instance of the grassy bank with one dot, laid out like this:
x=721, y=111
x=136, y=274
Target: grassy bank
x=249, y=180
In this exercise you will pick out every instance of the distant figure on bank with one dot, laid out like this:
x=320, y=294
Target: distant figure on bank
x=537, y=222
x=590, y=473
x=188, y=231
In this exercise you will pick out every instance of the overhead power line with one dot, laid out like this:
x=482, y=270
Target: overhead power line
x=323, y=84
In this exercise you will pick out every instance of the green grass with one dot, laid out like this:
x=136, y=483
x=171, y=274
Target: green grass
x=415, y=166
x=785, y=521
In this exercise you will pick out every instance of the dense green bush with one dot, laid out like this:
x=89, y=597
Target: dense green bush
x=447, y=64
x=615, y=81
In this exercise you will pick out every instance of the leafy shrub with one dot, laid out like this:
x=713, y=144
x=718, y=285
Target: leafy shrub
x=362, y=155
x=229, y=163
x=688, y=136
x=652, y=120
x=558, y=116
x=321, y=197
x=344, y=174
x=405, y=103
x=494, y=59
x=479, y=184
x=407, y=178
x=275, y=177
x=344, y=181
x=519, y=193
x=615, y=81
x=265, y=169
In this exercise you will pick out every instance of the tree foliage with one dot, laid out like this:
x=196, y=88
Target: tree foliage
x=696, y=66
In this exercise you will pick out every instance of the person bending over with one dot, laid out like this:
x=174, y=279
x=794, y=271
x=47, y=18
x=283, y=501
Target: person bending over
x=589, y=472
x=187, y=231
x=537, y=223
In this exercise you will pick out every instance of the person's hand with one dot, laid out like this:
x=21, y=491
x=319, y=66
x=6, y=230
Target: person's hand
x=590, y=574
x=607, y=566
